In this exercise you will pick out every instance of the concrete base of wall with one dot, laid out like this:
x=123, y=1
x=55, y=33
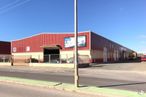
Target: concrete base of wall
x=20, y=64
x=51, y=65
x=5, y=64
x=63, y=65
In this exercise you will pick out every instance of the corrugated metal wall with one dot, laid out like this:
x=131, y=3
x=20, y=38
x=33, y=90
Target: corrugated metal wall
x=5, y=47
x=36, y=42
x=114, y=51
x=99, y=42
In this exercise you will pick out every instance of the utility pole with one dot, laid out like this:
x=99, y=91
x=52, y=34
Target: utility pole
x=76, y=74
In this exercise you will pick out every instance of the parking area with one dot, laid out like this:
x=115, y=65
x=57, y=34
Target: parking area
x=118, y=71
x=133, y=66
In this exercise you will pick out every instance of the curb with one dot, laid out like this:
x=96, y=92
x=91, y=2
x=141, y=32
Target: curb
x=63, y=89
x=70, y=88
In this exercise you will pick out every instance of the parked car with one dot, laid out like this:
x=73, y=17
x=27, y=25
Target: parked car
x=83, y=61
x=143, y=58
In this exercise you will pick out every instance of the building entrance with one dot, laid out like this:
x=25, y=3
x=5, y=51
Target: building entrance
x=104, y=54
x=51, y=55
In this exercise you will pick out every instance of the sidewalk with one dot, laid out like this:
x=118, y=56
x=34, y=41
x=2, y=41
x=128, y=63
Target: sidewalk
x=89, y=90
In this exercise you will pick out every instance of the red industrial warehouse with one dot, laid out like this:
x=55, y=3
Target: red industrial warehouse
x=58, y=48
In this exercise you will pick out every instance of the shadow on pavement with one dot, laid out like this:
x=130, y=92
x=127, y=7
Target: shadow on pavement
x=122, y=84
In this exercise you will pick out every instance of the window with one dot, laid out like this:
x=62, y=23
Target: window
x=14, y=49
x=28, y=48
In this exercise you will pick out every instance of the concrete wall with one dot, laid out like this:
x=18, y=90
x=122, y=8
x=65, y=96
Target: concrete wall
x=39, y=65
x=70, y=53
x=63, y=54
x=51, y=65
x=5, y=64
x=36, y=55
x=39, y=55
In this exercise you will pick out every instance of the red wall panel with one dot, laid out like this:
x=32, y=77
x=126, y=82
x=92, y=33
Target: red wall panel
x=36, y=42
x=99, y=42
x=5, y=47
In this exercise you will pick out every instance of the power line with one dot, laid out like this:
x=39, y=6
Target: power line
x=12, y=5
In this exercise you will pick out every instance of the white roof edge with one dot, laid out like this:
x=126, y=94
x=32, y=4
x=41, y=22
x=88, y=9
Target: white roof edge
x=49, y=33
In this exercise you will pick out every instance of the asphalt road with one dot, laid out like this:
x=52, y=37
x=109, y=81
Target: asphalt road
x=92, y=81
x=13, y=90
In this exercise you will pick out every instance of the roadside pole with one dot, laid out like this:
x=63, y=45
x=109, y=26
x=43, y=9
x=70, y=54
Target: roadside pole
x=76, y=74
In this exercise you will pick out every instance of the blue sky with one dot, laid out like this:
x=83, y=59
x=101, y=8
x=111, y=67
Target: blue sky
x=123, y=21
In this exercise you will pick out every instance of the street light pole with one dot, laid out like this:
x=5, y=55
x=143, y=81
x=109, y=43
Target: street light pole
x=76, y=74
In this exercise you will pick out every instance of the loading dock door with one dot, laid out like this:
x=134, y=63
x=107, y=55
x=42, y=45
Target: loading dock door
x=51, y=55
x=104, y=54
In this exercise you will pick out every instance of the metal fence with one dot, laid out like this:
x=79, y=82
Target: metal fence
x=5, y=58
x=51, y=58
x=65, y=58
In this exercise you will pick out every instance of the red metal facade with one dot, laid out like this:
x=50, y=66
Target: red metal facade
x=5, y=47
x=36, y=42
x=98, y=43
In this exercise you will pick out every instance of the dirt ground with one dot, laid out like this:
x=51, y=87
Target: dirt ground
x=139, y=66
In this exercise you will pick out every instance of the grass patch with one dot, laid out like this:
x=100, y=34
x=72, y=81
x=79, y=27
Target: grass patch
x=70, y=87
